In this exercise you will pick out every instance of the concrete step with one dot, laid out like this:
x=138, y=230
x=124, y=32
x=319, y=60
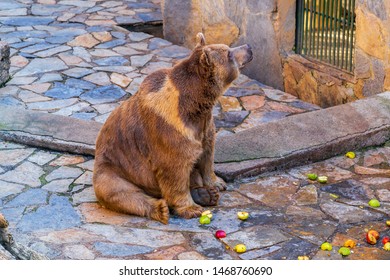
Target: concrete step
x=292, y=141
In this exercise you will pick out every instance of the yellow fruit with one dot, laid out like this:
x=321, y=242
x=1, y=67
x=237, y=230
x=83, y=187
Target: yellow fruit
x=350, y=155
x=350, y=243
x=387, y=246
x=322, y=179
x=243, y=215
x=326, y=246
x=303, y=258
x=207, y=213
x=240, y=248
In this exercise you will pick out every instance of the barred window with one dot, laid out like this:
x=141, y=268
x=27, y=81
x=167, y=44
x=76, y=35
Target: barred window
x=326, y=31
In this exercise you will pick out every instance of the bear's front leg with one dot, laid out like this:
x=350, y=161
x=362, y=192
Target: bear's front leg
x=206, y=161
x=174, y=184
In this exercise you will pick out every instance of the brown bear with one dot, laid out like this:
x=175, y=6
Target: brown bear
x=156, y=150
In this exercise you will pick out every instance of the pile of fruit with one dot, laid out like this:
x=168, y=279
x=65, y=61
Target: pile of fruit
x=206, y=217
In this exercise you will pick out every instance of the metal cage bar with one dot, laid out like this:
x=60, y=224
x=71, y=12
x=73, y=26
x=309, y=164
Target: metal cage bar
x=326, y=31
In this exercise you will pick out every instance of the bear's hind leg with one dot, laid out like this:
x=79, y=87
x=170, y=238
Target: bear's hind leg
x=120, y=195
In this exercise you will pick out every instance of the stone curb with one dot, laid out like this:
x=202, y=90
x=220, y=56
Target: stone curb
x=304, y=138
x=292, y=141
x=50, y=131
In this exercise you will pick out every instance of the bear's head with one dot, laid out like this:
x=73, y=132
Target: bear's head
x=220, y=62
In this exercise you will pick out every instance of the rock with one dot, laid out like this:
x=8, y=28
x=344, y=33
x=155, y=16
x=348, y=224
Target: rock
x=165, y=254
x=95, y=213
x=32, y=197
x=13, y=157
x=275, y=191
x=191, y=18
x=252, y=102
x=64, y=172
x=58, y=215
x=104, y=94
x=120, y=250
x=348, y=214
x=137, y=236
x=255, y=237
x=383, y=195
x=349, y=189
x=306, y=195
x=61, y=91
x=102, y=36
x=111, y=44
x=27, y=174
x=42, y=65
x=303, y=212
x=58, y=186
x=11, y=101
x=78, y=72
x=207, y=245
x=37, y=88
x=370, y=171
x=140, y=60
x=41, y=158
x=87, y=195
x=4, y=62
x=7, y=189
x=229, y=103
x=369, y=34
x=99, y=78
x=112, y=61
x=139, y=36
x=26, y=20
x=192, y=255
x=231, y=119
x=67, y=160
x=52, y=51
x=78, y=252
x=120, y=80
x=86, y=41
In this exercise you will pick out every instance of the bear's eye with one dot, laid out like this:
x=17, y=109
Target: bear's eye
x=230, y=56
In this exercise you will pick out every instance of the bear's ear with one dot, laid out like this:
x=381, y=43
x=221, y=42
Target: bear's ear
x=205, y=57
x=200, y=40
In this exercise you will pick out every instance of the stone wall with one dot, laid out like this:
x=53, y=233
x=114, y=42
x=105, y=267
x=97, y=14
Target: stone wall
x=269, y=27
x=4, y=63
x=326, y=86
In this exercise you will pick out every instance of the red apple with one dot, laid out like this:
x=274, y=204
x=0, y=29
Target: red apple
x=385, y=240
x=372, y=236
x=220, y=234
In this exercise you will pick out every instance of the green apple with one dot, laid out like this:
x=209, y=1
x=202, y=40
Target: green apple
x=204, y=220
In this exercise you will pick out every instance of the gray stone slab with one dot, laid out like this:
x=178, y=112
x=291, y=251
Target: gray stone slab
x=304, y=138
x=120, y=250
x=26, y=20
x=27, y=174
x=59, y=214
x=104, y=94
x=48, y=130
x=256, y=237
x=42, y=65
x=32, y=197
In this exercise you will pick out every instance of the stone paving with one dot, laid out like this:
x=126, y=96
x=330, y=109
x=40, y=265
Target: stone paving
x=49, y=201
x=70, y=58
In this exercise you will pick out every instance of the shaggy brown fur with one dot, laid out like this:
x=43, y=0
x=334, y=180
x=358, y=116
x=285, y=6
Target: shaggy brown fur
x=156, y=150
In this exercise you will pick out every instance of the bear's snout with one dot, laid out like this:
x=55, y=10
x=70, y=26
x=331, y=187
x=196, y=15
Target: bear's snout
x=242, y=55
